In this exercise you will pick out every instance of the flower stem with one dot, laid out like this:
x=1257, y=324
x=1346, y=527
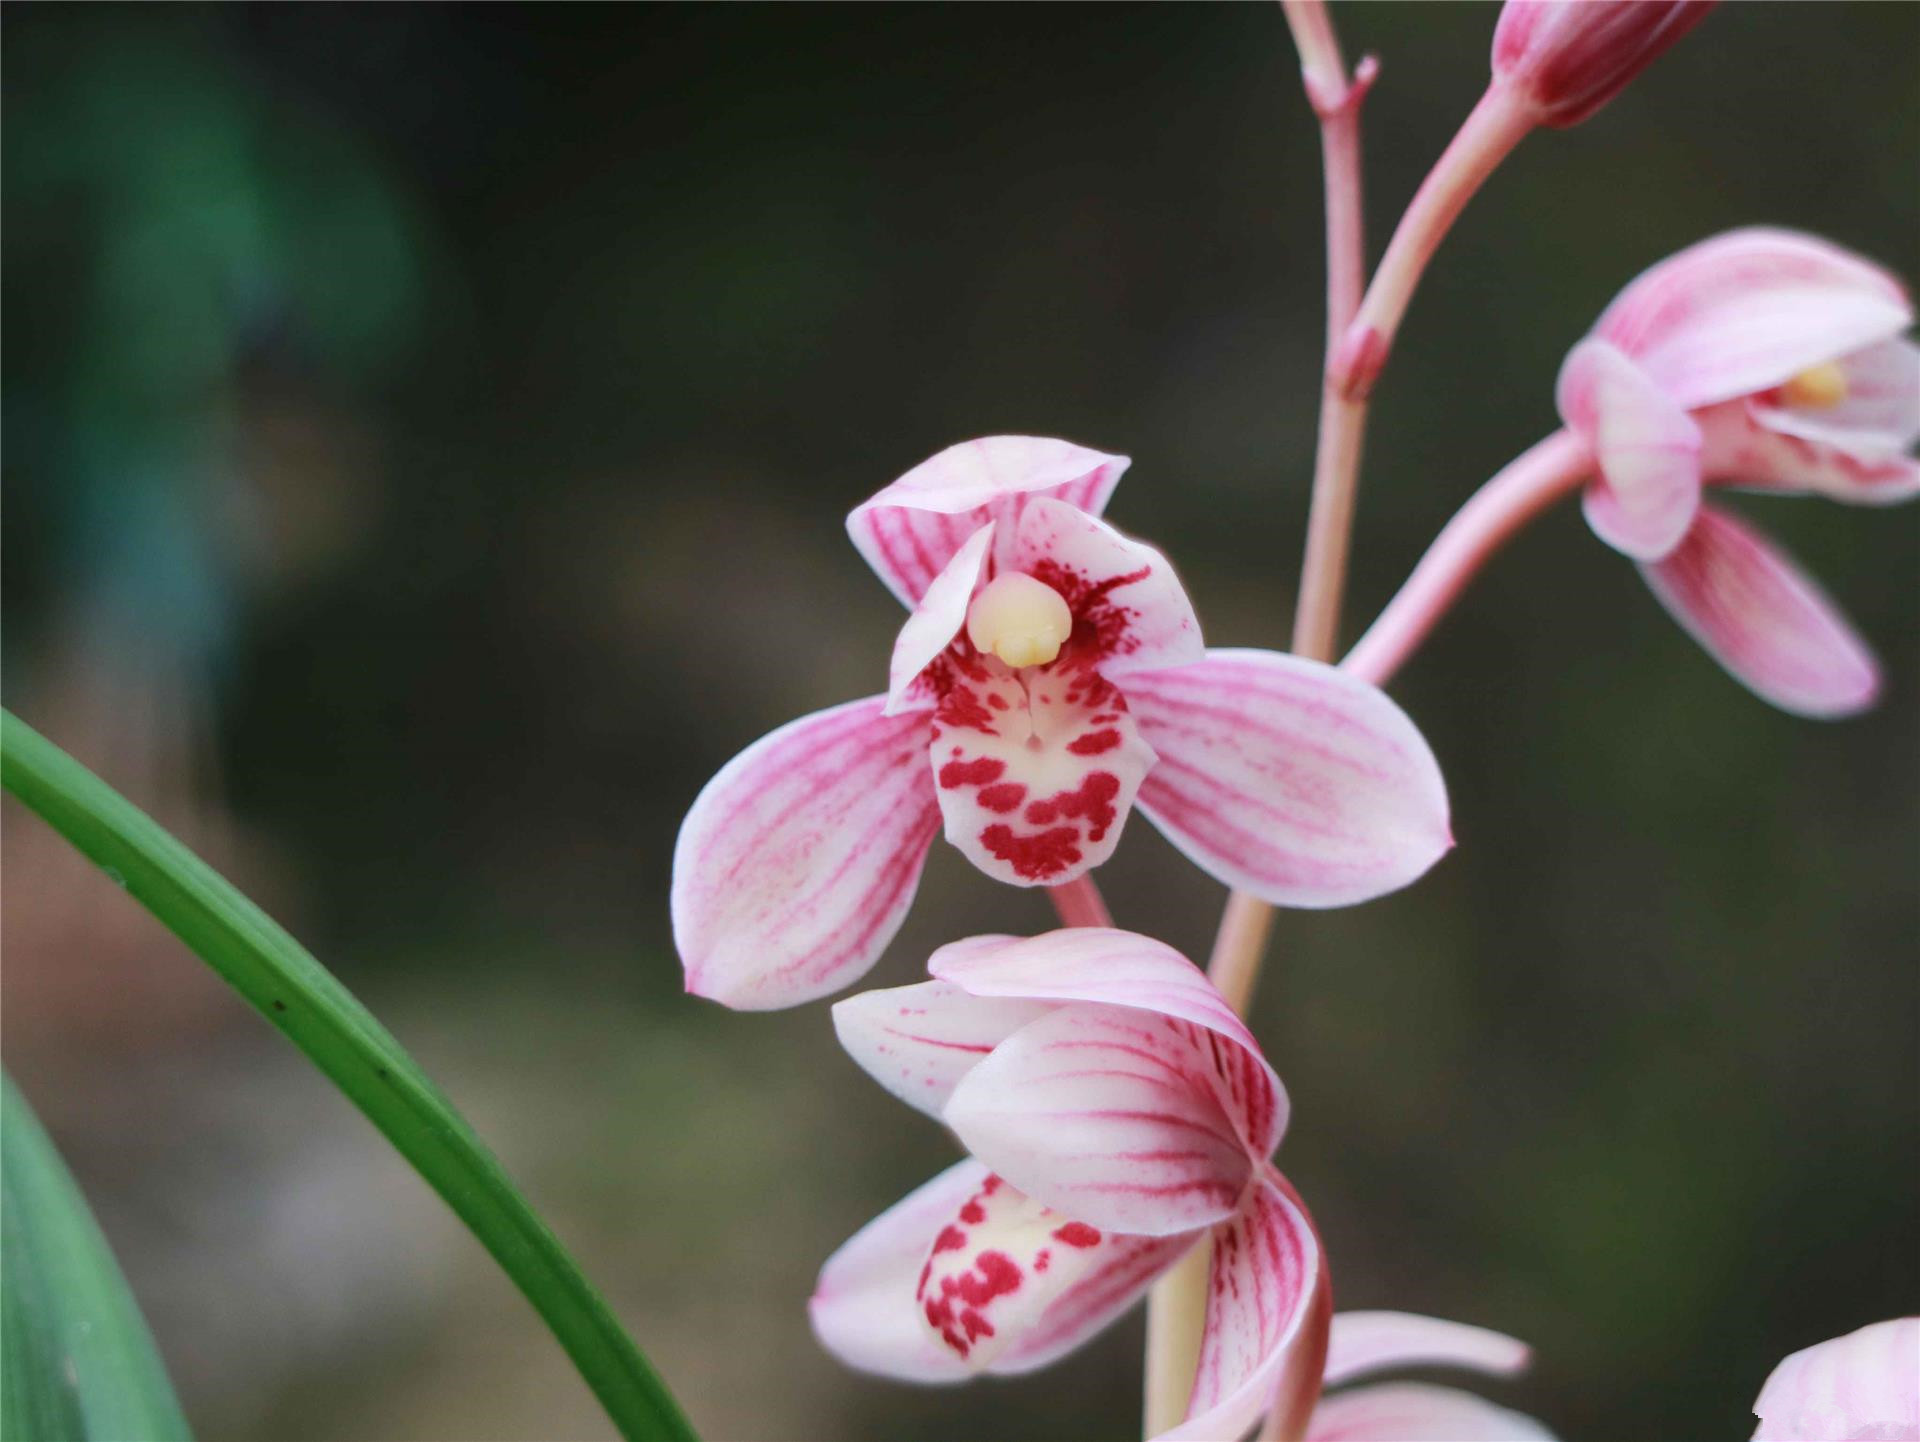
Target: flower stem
x=298, y=995
x=1080, y=904
x=1523, y=488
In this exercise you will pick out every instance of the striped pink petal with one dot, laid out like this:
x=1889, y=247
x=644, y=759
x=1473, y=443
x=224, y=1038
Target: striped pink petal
x=909, y=531
x=1746, y=311
x=935, y=621
x=1364, y=1342
x=1415, y=1412
x=1260, y=1290
x=1865, y=1385
x=1130, y=611
x=1763, y=619
x=1109, y=1115
x=1119, y=1276
x=1289, y=779
x=1646, y=447
x=1750, y=444
x=1120, y=968
x=796, y=865
x=920, y=1041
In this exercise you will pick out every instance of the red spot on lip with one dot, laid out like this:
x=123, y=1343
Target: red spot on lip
x=973, y=1213
x=1004, y=797
x=1034, y=857
x=951, y=1239
x=977, y=772
x=1092, y=799
x=997, y=701
x=1041, y=1262
x=1078, y=1234
x=1094, y=743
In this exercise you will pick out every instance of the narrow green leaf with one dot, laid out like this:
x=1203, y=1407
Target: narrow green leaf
x=77, y=1363
x=340, y=1036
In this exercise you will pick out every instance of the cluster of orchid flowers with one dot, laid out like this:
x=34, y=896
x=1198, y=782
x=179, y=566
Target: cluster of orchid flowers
x=1050, y=679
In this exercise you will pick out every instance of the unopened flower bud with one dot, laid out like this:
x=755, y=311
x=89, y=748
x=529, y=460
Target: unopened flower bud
x=1567, y=58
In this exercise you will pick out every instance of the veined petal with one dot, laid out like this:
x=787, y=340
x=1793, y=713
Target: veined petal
x=1415, y=1412
x=909, y=531
x=1763, y=619
x=1130, y=611
x=1748, y=443
x=1036, y=769
x=1364, y=1342
x=919, y=1041
x=1647, y=448
x=1747, y=310
x=1121, y=1271
x=1110, y=967
x=796, y=865
x=996, y=1264
x=1289, y=779
x=1110, y=1115
x=1260, y=1288
x=935, y=621
x=1863, y=1385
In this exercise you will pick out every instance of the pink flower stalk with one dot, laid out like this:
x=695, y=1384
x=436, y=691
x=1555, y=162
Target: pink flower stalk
x=1760, y=358
x=1863, y=1387
x=1050, y=677
x=1362, y=1343
x=1117, y=1112
x=1567, y=58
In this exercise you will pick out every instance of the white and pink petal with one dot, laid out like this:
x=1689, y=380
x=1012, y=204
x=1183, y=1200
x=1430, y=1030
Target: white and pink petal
x=1765, y=620
x=797, y=862
x=1747, y=443
x=1416, y=1412
x=920, y=1041
x=1364, y=1342
x=1860, y=1386
x=1646, y=447
x=1289, y=779
x=936, y=620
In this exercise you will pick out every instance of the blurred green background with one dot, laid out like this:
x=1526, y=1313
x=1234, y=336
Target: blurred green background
x=427, y=436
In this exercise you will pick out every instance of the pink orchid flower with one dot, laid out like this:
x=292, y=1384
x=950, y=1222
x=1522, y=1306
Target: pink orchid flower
x=1765, y=359
x=1567, y=58
x=1117, y=1112
x=1362, y=1343
x=1863, y=1387
x=1050, y=677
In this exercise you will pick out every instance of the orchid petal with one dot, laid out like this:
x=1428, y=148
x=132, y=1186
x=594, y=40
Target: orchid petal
x=1119, y=1275
x=1289, y=779
x=1109, y=1115
x=1747, y=310
x=1364, y=1342
x=1130, y=611
x=1119, y=968
x=1749, y=443
x=1763, y=619
x=935, y=621
x=796, y=865
x=1415, y=1412
x=1647, y=449
x=995, y=1265
x=1860, y=1386
x=1260, y=1289
x=920, y=1041
x=1037, y=769
x=1879, y=412
x=909, y=531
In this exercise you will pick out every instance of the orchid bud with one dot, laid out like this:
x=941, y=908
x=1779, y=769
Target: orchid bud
x=1567, y=58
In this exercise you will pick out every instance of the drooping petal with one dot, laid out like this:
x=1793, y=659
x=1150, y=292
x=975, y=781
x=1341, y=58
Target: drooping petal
x=1745, y=311
x=995, y=1265
x=909, y=531
x=935, y=621
x=1289, y=779
x=1364, y=1342
x=1260, y=1288
x=1119, y=1276
x=1130, y=611
x=1036, y=769
x=1647, y=449
x=1763, y=619
x=796, y=865
x=1863, y=1385
x=1109, y=967
x=919, y=1041
x=1110, y=1115
x=1748, y=443
x=1415, y=1412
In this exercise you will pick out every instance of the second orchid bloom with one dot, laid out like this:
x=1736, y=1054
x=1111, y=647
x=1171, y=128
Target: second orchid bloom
x=1050, y=678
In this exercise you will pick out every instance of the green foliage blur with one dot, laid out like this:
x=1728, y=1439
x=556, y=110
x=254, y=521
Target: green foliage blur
x=427, y=433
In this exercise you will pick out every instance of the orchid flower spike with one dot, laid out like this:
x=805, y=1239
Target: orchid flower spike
x=1764, y=359
x=1117, y=1112
x=1050, y=677
x=1863, y=1387
x=1567, y=58
x=1363, y=1343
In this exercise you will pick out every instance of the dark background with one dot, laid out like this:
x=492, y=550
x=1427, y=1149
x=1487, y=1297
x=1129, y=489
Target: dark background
x=428, y=431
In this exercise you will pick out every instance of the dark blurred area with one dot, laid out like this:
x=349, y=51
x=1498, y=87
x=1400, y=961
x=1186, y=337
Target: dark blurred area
x=427, y=435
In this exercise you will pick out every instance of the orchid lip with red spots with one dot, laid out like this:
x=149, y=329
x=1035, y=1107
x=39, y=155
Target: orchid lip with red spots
x=1763, y=359
x=1051, y=674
